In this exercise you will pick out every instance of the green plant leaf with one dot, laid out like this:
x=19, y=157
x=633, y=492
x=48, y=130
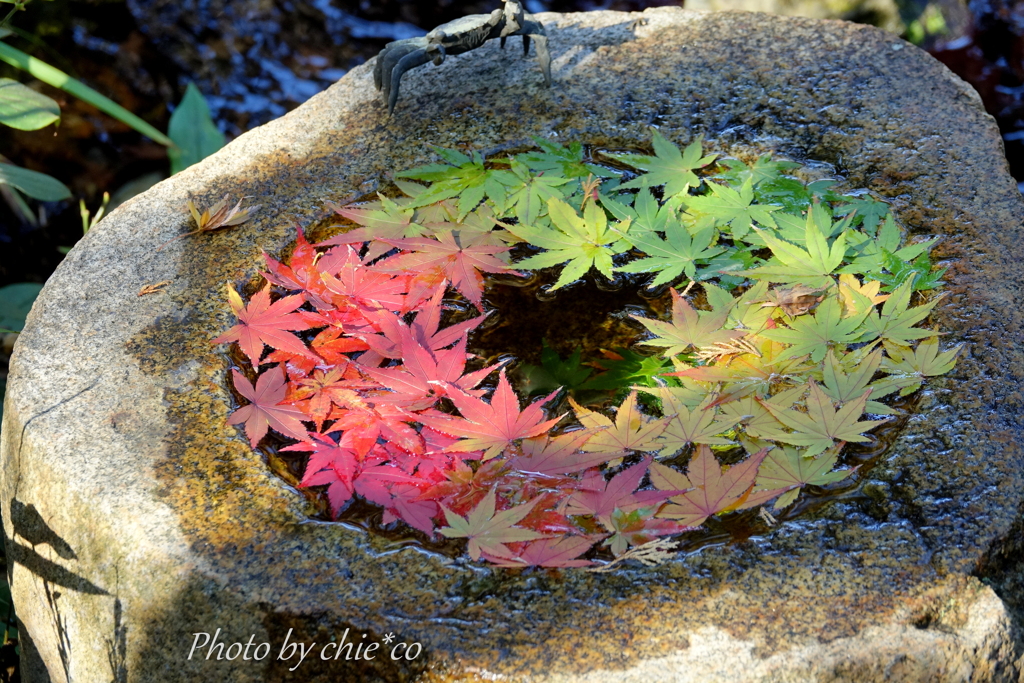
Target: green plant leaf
x=58, y=79
x=868, y=212
x=896, y=321
x=566, y=162
x=689, y=328
x=815, y=334
x=625, y=368
x=695, y=426
x=36, y=185
x=792, y=265
x=529, y=194
x=677, y=254
x=907, y=370
x=23, y=108
x=822, y=424
x=583, y=242
x=15, y=302
x=464, y=177
x=842, y=386
x=193, y=131
x=669, y=166
x=762, y=170
x=732, y=208
x=554, y=372
x=787, y=467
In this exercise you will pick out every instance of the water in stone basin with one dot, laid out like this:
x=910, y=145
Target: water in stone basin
x=526, y=314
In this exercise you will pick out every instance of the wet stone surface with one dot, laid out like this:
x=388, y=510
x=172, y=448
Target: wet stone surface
x=161, y=522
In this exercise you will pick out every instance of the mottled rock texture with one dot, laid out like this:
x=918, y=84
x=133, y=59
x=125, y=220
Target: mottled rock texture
x=135, y=516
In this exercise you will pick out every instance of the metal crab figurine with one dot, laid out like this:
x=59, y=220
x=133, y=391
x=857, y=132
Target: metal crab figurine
x=454, y=38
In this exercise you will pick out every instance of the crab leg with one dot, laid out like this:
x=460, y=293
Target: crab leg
x=386, y=63
x=409, y=61
x=535, y=30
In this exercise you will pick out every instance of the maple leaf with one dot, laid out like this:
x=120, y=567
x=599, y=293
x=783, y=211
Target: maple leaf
x=265, y=408
x=669, y=166
x=425, y=374
x=583, y=242
x=918, y=272
x=822, y=425
x=383, y=219
x=647, y=214
x=791, y=264
x=561, y=454
x=732, y=208
x=625, y=368
x=566, y=162
x=763, y=170
x=217, y=217
x=262, y=324
x=907, y=370
x=464, y=177
x=335, y=386
x=896, y=321
x=491, y=427
x=631, y=431
x=488, y=531
x=857, y=296
x=363, y=427
x=697, y=426
x=712, y=489
x=637, y=527
x=331, y=465
x=748, y=373
x=529, y=194
x=357, y=284
x=843, y=387
x=462, y=258
x=689, y=328
x=814, y=335
x=789, y=468
x=553, y=372
x=551, y=552
x=869, y=212
x=617, y=494
x=679, y=253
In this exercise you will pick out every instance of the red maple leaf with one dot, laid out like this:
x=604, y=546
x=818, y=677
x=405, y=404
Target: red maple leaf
x=265, y=408
x=493, y=426
x=617, y=494
x=561, y=454
x=262, y=323
x=329, y=464
x=301, y=273
x=463, y=257
x=550, y=552
x=350, y=281
x=362, y=427
x=337, y=386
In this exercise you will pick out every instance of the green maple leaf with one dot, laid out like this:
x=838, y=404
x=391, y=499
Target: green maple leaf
x=743, y=314
x=464, y=177
x=843, y=387
x=907, y=370
x=646, y=214
x=624, y=368
x=822, y=425
x=669, y=166
x=529, y=194
x=790, y=468
x=762, y=170
x=896, y=321
x=554, y=372
x=815, y=334
x=689, y=328
x=487, y=531
x=868, y=212
x=567, y=162
x=695, y=426
x=732, y=208
x=757, y=422
x=918, y=272
x=790, y=264
x=679, y=253
x=583, y=242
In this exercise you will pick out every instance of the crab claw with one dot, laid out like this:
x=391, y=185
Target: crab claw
x=535, y=30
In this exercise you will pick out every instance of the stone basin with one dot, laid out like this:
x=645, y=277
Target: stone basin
x=135, y=517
